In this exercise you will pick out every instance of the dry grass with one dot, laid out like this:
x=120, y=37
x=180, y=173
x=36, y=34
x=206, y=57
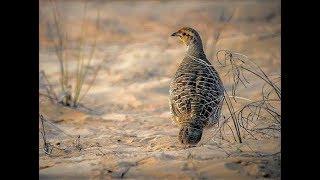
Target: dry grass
x=261, y=116
x=63, y=146
x=71, y=84
x=246, y=115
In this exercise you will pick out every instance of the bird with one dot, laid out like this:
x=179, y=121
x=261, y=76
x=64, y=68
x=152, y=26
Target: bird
x=196, y=91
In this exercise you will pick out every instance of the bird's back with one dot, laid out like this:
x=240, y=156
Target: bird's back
x=196, y=92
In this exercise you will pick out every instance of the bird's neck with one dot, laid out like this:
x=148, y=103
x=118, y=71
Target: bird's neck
x=195, y=49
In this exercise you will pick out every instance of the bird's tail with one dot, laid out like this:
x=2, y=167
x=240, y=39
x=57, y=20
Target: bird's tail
x=191, y=132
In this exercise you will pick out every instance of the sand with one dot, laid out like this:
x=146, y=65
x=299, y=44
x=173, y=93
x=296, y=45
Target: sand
x=127, y=131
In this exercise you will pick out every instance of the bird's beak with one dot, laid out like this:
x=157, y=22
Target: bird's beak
x=174, y=34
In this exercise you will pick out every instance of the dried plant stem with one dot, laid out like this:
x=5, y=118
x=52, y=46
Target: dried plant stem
x=262, y=110
x=80, y=59
x=84, y=69
x=71, y=94
x=90, y=83
x=59, y=46
x=49, y=147
x=49, y=87
x=46, y=147
x=234, y=119
x=237, y=97
x=217, y=36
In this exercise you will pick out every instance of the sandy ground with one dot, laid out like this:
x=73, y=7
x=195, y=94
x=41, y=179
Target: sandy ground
x=128, y=132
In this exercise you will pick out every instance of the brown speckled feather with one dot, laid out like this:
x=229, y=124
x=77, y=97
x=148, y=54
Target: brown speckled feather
x=195, y=90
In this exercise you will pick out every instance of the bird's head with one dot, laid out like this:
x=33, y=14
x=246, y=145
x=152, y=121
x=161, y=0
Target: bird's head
x=187, y=35
x=191, y=39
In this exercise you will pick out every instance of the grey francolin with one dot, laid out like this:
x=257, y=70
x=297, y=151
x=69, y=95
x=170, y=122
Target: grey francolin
x=196, y=91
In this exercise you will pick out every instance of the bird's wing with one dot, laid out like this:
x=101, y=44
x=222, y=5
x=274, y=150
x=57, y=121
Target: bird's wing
x=210, y=94
x=182, y=90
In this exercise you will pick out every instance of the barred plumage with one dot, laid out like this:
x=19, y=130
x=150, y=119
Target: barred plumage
x=196, y=91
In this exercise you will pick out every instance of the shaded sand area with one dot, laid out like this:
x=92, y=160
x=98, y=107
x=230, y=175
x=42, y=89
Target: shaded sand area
x=126, y=132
